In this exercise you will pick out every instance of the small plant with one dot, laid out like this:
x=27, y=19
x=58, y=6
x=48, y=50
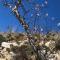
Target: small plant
x=2, y=39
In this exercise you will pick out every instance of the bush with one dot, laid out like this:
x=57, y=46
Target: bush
x=2, y=39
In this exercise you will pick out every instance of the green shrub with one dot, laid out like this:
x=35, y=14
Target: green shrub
x=2, y=39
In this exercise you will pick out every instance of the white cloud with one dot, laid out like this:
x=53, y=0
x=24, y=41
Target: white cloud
x=38, y=14
x=58, y=24
x=41, y=29
x=46, y=2
x=46, y=14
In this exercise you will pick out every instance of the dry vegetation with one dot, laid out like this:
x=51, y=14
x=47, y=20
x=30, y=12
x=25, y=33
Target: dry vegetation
x=51, y=41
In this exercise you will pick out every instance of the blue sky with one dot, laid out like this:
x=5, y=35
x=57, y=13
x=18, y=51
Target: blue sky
x=8, y=19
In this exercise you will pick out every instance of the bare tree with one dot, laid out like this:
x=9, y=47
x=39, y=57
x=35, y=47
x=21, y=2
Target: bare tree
x=14, y=5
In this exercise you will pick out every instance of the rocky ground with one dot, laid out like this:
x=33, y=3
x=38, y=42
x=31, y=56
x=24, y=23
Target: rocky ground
x=21, y=49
